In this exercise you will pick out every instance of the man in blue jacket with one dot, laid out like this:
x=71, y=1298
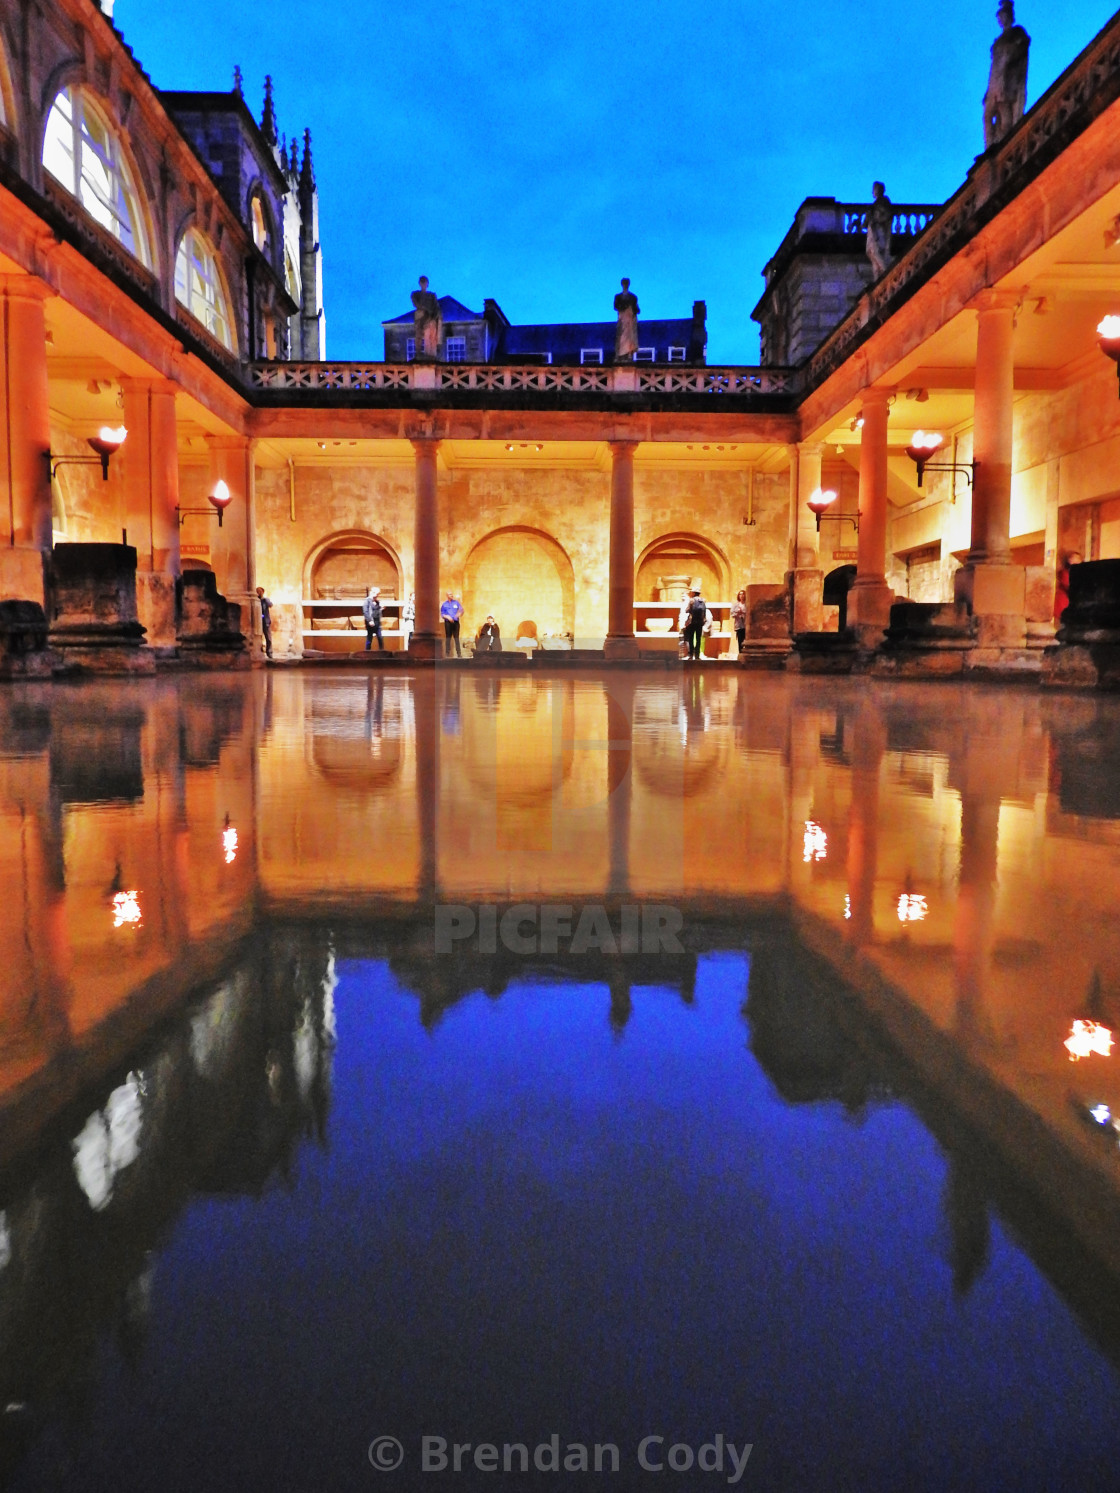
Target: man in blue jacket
x=451, y=611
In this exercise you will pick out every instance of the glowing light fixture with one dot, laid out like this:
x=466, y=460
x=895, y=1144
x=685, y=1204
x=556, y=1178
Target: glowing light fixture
x=1087, y=1038
x=229, y=842
x=820, y=503
x=1108, y=337
x=847, y=906
x=925, y=444
x=815, y=843
x=219, y=499
x=107, y=442
x=126, y=909
x=912, y=907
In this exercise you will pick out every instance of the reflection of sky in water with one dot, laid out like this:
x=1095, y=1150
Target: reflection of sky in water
x=522, y=1224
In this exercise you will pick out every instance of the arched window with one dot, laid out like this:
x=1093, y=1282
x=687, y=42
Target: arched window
x=83, y=151
x=259, y=223
x=198, y=287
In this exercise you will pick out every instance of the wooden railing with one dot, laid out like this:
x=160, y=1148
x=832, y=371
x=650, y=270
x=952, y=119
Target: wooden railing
x=628, y=378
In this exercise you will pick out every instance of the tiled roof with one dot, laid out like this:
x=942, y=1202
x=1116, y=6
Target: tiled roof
x=449, y=308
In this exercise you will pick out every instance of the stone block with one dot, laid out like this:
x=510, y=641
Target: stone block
x=768, y=613
x=94, y=624
x=807, y=610
x=21, y=575
x=156, y=609
x=997, y=590
x=24, y=653
x=1039, y=598
x=929, y=624
x=209, y=630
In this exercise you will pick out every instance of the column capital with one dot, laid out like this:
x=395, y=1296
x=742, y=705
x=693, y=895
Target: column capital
x=996, y=300
x=228, y=442
x=422, y=444
x=158, y=385
x=624, y=447
x=875, y=397
x=25, y=287
x=810, y=448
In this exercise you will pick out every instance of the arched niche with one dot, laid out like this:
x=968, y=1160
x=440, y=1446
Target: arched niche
x=343, y=565
x=674, y=561
x=519, y=575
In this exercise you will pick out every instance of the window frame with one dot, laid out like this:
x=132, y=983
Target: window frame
x=677, y=355
x=200, y=260
x=410, y=349
x=93, y=167
x=586, y=360
x=460, y=344
x=645, y=355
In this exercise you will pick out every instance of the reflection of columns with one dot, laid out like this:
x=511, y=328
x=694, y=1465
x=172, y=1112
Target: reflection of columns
x=620, y=641
x=993, y=588
x=426, y=716
x=25, y=437
x=869, y=601
x=805, y=572
x=230, y=548
x=868, y=746
x=973, y=929
x=425, y=641
x=620, y=778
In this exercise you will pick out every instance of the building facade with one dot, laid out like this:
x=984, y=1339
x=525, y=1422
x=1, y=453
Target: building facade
x=160, y=268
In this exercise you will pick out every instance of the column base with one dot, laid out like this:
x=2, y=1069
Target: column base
x=868, y=612
x=21, y=575
x=996, y=597
x=155, y=607
x=806, y=608
x=425, y=646
x=621, y=648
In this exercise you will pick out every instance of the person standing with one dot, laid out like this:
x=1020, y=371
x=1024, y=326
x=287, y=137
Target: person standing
x=1061, y=591
x=408, y=619
x=266, y=621
x=371, y=611
x=739, y=619
x=697, y=616
x=451, y=611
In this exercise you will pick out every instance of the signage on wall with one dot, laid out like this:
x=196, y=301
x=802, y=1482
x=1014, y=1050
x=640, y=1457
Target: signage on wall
x=845, y=554
x=195, y=551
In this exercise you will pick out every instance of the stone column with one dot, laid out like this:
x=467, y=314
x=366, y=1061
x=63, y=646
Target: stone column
x=620, y=641
x=869, y=601
x=230, y=546
x=805, y=576
x=993, y=587
x=150, y=459
x=426, y=639
x=25, y=438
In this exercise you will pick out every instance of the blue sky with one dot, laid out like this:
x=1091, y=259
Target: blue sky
x=535, y=151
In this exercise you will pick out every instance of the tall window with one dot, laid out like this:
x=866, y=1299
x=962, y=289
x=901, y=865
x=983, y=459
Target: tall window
x=259, y=222
x=198, y=287
x=456, y=349
x=409, y=349
x=83, y=151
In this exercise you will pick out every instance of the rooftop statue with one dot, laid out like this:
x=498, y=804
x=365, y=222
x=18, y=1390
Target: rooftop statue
x=626, y=333
x=880, y=216
x=428, y=322
x=1006, y=97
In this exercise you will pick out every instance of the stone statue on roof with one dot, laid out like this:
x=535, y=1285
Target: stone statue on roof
x=428, y=321
x=880, y=216
x=1006, y=98
x=626, y=333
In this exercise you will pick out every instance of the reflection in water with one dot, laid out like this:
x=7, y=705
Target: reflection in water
x=894, y=901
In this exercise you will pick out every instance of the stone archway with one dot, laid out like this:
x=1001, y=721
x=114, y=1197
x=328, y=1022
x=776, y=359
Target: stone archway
x=519, y=575
x=672, y=561
x=335, y=576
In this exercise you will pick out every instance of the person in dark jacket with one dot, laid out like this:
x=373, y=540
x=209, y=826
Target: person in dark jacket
x=371, y=611
x=694, y=628
x=489, y=638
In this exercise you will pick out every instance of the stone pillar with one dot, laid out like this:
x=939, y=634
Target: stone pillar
x=805, y=574
x=869, y=601
x=991, y=585
x=150, y=459
x=620, y=640
x=25, y=439
x=230, y=546
x=426, y=639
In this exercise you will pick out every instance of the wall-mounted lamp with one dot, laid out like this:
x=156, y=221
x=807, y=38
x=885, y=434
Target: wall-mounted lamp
x=1108, y=335
x=107, y=442
x=926, y=444
x=819, y=504
x=219, y=500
